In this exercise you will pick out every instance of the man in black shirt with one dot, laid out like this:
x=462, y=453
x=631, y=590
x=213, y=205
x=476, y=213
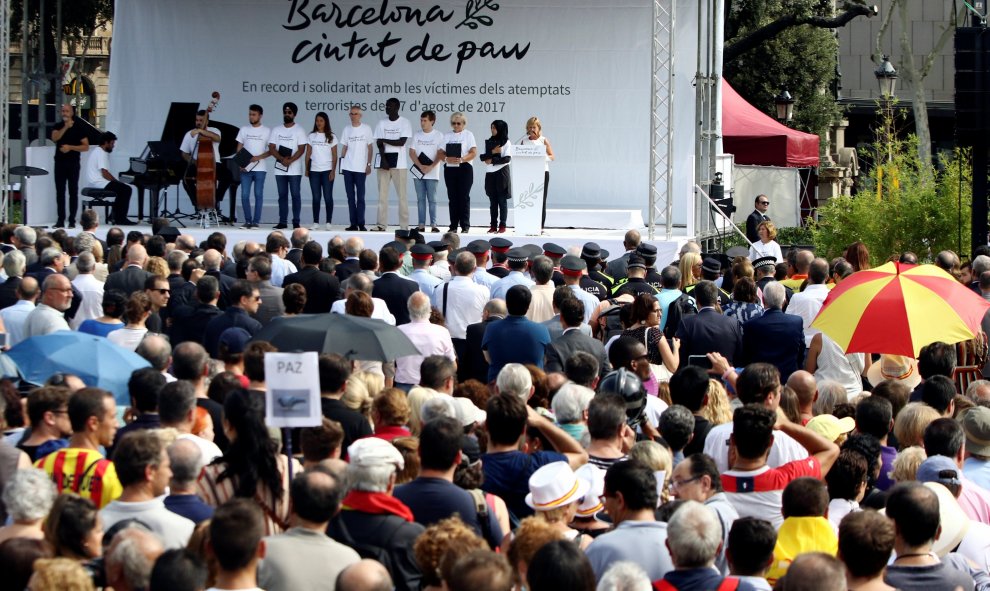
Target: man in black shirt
x=70, y=139
x=334, y=371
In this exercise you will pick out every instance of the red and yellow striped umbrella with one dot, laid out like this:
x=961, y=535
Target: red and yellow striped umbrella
x=898, y=309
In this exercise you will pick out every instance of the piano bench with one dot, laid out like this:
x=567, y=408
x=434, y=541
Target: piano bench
x=99, y=198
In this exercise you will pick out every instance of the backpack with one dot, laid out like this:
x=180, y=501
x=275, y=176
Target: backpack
x=481, y=509
x=727, y=584
x=679, y=309
x=374, y=552
x=609, y=321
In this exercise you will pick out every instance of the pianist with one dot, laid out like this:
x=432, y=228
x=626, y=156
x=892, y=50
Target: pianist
x=190, y=142
x=97, y=175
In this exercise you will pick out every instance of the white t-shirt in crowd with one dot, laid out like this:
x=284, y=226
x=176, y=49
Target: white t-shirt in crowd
x=356, y=140
x=428, y=144
x=784, y=449
x=464, y=138
x=255, y=140
x=292, y=138
x=189, y=143
x=393, y=130
x=506, y=151
x=322, y=157
x=93, y=174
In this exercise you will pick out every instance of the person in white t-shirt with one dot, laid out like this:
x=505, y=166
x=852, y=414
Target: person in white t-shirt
x=190, y=152
x=291, y=140
x=97, y=175
x=458, y=174
x=391, y=135
x=534, y=136
x=254, y=138
x=356, y=140
x=498, y=152
x=425, y=146
x=321, y=166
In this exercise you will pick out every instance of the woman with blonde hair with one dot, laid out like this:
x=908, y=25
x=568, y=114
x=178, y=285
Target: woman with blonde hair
x=907, y=462
x=157, y=267
x=911, y=422
x=532, y=534
x=718, y=410
x=534, y=136
x=767, y=245
x=659, y=459
x=444, y=540
x=60, y=574
x=690, y=267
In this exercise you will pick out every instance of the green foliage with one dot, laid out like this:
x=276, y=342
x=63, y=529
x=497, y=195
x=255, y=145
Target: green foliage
x=901, y=206
x=801, y=59
x=79, y=17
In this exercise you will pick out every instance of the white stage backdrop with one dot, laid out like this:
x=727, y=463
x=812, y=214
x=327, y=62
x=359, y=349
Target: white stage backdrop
x=583, y=67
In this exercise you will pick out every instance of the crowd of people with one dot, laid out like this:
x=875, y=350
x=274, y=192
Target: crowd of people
x=573, y=420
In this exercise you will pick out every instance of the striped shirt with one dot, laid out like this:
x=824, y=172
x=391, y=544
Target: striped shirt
x=216, y=492
x=84, y=472
x=758, y=493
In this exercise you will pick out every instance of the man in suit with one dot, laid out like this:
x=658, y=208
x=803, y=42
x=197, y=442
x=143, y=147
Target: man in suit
x=775, y=338
x=297, y=240
x=52, y=261
x=573, y=340
x=259, y=273
x=709, y=331
x=132, y=277
x=322, y=289
x=244, y=302
x=350, y=265
x=473, y=365
x=13, y=266
x=616, y=269
x=189, y=320
x=391, y=287
x=759, y=214
x=213, y=267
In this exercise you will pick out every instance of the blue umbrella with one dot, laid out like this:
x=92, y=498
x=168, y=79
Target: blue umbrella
x=97, y=361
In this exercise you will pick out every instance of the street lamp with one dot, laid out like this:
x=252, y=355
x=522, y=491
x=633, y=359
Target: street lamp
x=785, y=106
x=886, y=77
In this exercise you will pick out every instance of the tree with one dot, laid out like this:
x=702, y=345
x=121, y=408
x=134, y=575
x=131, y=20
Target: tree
x=774, y=44
x=914, y=74
x=80, y=18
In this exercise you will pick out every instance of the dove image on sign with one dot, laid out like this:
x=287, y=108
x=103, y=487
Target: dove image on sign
x=292, y=394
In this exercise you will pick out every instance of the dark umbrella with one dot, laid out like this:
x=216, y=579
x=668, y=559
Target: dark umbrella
x=353, y=337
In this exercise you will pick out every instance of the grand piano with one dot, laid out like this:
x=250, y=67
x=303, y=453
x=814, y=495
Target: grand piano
x=161, y=165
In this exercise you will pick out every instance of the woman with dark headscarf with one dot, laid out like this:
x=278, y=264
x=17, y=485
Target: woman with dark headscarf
x=498, y=152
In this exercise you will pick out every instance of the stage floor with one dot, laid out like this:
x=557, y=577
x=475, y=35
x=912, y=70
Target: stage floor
x=610, y=240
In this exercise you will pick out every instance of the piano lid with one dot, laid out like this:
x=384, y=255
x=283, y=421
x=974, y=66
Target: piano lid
x=182, y=117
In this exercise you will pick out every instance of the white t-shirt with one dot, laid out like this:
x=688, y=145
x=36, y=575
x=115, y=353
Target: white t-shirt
x=322, y=151
x=464, y=138
x=784, y=449
x=428, y=144
x=292, y=138
x=506, y=151
x=255, y=140
x=356, y=140
x=189, y=143
x=393, y=130
x=97, y=161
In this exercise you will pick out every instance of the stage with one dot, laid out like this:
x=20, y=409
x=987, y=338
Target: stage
x=610, y=240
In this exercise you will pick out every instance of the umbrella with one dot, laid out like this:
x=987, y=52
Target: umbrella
x=354, y=337
x=98, y=362
x=898, y=309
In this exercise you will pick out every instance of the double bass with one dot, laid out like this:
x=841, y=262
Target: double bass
x=205, y=166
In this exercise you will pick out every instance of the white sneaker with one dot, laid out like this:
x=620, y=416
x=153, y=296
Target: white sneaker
x=328, y=228
x=315, y=226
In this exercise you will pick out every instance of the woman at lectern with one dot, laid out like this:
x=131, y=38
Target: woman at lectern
x=498, y=152
x=458, y=151
x=534, y=135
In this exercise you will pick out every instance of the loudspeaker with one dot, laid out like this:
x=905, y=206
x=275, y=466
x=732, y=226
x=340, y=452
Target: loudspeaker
x=972, y=81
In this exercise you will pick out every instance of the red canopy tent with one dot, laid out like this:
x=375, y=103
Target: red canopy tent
x=754, y=138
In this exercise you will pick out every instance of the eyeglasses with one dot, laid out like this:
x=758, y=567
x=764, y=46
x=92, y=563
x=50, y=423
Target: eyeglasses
x=764, y=202
x=164, y=291
x=257, y=298
x=676, y=484
x=457, y=123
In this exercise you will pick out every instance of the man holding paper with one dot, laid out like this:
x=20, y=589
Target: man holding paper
x=253, y=140
x=287, y=145
x=425, y=171
x=391, y=135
